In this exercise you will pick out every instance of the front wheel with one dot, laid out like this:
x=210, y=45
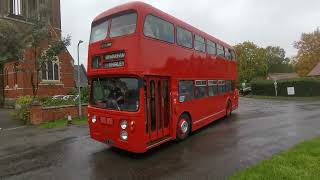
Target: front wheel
x=229, y=109
x=183, y=127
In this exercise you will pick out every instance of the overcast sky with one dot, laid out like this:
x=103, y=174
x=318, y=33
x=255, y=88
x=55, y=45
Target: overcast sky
x=264, y=22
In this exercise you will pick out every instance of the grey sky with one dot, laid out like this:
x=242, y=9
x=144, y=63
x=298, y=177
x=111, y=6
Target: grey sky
x=264, y=22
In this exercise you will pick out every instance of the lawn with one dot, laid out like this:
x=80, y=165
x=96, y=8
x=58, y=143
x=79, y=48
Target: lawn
x=315, y=98
x=300, y=162
x=63, y=123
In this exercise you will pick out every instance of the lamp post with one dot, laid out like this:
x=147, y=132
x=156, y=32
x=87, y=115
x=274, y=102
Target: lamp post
x=79, y=88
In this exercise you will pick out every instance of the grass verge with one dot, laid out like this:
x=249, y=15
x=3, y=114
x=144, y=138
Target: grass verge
x=315, y=98
x=300, y=162
x=63, y=123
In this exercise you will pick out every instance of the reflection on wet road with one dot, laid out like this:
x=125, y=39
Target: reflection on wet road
x=257, y=130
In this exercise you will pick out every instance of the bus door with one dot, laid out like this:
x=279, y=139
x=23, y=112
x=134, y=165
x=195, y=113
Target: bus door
x=157, y=107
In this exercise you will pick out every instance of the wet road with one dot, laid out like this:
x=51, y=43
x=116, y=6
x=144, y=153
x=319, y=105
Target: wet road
x=7, y=121
x=257, y=130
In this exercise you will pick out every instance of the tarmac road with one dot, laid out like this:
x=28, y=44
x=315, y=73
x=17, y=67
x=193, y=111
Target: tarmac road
x=259, y=129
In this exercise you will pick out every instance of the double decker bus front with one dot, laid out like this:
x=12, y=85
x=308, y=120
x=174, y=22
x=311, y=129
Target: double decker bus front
x=115, y=112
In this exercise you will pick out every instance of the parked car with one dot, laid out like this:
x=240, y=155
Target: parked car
x=245, y=91
x=76, y=97
x=67, y=97
x=58, y=97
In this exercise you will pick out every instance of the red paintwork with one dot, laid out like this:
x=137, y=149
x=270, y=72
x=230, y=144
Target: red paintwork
x=150, y=57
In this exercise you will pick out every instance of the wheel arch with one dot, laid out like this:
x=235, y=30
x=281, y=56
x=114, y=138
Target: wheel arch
x=229, y=101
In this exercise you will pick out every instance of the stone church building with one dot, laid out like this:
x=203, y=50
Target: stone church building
x=56, y=78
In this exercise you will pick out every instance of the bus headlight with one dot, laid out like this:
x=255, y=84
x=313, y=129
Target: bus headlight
x=123, y=124
x=124, y=135
x=94, y=119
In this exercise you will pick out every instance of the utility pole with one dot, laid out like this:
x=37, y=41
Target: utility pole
x=79, y=87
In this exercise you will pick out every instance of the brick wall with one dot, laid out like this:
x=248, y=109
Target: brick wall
x=39, y=114
x=18, y=83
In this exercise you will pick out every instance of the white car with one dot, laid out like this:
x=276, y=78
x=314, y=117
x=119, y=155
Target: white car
x=67, y=97
x=58, y=97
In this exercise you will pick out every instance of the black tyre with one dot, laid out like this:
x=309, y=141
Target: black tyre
x=229, y=109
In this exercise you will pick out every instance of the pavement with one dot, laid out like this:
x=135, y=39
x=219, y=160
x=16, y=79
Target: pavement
x=256, y=131
x=6, y=120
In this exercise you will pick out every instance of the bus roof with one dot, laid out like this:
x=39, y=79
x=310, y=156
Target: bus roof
x=140, y=6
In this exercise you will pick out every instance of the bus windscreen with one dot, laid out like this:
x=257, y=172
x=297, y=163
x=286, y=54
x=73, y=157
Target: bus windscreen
x=120, y=94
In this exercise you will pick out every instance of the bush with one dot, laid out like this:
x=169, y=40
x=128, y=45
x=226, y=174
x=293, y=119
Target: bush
x=48, y=101
x=84, y=94
x=304, y=87
x=22, y=108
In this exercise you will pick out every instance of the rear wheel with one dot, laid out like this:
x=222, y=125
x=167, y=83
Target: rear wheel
x=183, y=127
x=229, y=109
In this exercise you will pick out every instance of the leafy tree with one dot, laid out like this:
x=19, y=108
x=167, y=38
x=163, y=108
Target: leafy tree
x=45, y=47
x=277, y=60
x=308, y=52
x=275, y=55
x=251, y=61
x=11, y=42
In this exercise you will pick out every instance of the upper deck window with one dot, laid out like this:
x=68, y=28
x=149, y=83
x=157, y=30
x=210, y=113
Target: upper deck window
x=233, y=55
x=211, y=47
x=228, y=54
x=120, y=25
x=220, y=50
x=123, y=25
x=157, y=28
x=199, y=43
x=184, y=37
x=99, y=32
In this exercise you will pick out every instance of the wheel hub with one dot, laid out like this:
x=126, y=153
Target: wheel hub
x=184, y=126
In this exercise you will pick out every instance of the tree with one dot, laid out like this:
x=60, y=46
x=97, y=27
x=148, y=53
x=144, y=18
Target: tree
x=45, y=48
x=277, y=60
x=11, y=42
x=251, y=61
x=308, y=52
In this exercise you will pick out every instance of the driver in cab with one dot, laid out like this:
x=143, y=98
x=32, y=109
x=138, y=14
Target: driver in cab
x=116, y=93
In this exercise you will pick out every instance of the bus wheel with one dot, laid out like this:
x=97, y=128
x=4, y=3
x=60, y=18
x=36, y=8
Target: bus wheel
x=183, y=127
x=229, y=109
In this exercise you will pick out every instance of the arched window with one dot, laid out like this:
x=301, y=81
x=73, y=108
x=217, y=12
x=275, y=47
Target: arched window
x=44, y=71
x=16, y=7
x=50, y=71
x=15, y=73
x=56, y=71
x=6, y=77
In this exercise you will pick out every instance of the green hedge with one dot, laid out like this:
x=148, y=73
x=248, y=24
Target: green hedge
x=304, y=87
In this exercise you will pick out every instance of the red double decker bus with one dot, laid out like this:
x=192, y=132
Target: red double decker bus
x=154, y=78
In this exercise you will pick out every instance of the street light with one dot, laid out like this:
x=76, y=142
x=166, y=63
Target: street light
x=79, y=90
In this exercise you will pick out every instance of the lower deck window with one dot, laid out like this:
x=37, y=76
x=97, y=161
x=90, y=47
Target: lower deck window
x=222, y=87
x=201, y=89
x=186, y=90
x=212, y=88
x=189, y=89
